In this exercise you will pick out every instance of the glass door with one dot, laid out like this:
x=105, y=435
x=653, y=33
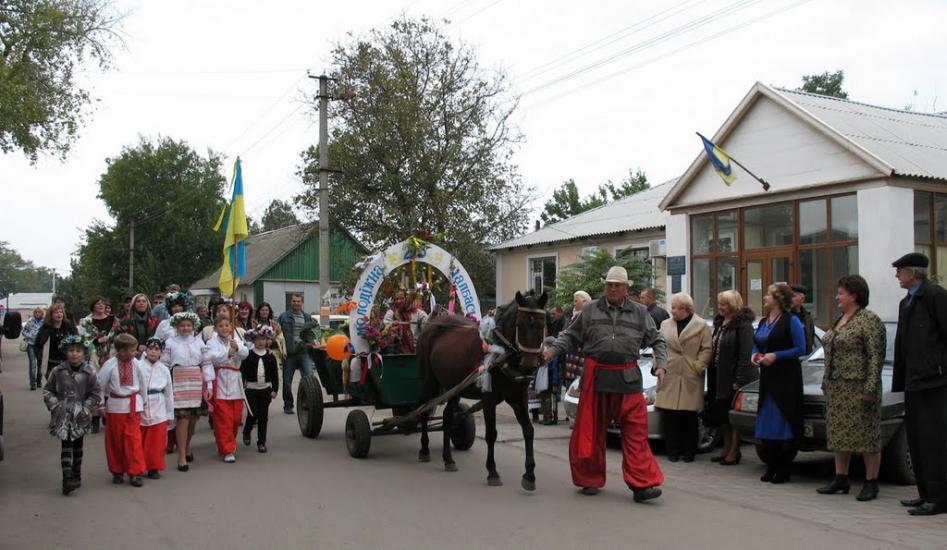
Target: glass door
x=761, y=270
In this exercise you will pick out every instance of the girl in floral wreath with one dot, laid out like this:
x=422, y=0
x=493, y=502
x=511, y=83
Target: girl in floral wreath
x=175, y=302
x=186, y=354
x=260, y=380
x=71, y=394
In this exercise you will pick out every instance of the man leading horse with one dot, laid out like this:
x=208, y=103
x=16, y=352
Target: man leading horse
x=611, y=331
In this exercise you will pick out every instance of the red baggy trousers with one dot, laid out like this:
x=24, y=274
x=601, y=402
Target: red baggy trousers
x=630, y=412
x=227, y=415
x=123, y=444
x=153, y=442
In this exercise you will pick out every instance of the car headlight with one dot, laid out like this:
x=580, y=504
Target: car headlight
x=650, y=394
x=747, y=402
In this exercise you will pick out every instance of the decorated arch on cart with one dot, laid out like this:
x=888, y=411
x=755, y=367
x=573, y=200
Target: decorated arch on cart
x=416, y=252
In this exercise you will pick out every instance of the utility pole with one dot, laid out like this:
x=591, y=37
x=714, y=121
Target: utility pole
x=54, y=281
x=131, y=256
x=323, y=197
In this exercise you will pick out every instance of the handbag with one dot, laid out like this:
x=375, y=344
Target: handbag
x=23, y=346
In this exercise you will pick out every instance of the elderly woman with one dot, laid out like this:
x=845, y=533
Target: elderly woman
x=730, y=368
x=682, y=393
x=571, y=364
x=854, y=355
x=780, y=341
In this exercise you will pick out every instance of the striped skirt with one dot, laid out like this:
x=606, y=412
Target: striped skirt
x=188, y=384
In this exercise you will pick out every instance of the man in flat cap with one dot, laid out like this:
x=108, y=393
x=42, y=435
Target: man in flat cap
x=611, y=331
x=799, y=310
x=920, y=371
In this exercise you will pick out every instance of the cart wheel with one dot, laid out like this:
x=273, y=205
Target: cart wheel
x=358, y=433
x=464, y=432
x=309, y=406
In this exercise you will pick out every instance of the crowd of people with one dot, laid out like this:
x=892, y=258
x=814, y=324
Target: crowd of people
x=152, y=371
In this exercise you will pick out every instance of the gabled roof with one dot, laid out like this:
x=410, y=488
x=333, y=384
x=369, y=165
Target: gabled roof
x=635, y=213
x=895, y=142
x=264, y=250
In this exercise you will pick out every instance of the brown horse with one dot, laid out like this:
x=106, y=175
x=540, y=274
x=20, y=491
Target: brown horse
x=450, y=348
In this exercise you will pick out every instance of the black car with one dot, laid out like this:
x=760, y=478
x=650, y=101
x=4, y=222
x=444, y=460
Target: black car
x=1, y=426
x=896, y=461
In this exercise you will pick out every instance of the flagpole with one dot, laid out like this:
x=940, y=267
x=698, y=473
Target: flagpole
x=747, y=170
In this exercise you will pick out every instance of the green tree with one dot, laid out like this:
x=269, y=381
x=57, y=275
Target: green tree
x=589, y=275
x=278, y=214
x=43, y=45
x=425, y=142
x=174, y=195
x=18, y=274
x=565, y=201
x=827, y=83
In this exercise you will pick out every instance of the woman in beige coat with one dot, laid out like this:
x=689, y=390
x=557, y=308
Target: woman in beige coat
x=689, y=345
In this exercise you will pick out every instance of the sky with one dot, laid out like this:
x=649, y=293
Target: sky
x=604, y=86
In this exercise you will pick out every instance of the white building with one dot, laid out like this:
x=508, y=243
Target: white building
x=854, y=187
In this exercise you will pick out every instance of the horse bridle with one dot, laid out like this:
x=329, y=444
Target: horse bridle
x=518, y=346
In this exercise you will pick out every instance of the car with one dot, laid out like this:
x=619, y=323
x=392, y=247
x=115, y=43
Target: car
x=708, y=437
x=896, y=461
x=1, y=426
x=335, y=321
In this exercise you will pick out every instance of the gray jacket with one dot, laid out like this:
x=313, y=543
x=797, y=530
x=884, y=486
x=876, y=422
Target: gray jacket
x=614, y=335
x=71, y=395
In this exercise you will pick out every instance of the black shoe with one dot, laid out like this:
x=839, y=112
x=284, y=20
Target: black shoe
x=912, y=502
x=32, y=387
x=688, y=458
x=780, y=478
x=768, y=476
x=135, y=481
x=869, y=491
x=642, y=495
x=189, y=458
x=118, y=479
x=288, y=410
x=839, y=484
x=719, y=458
x=674, y=458
x=928, y=509
x=69, y=485
x=590, y=491
x=153, y=474
x=733, y=462
x=261, y=447
x=183, y=467
x=246, y=439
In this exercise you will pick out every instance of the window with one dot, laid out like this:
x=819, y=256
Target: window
x=589, y=250
x=542, y=273
x=714, y=258
x=930, y=229
x=640, y=253
x=828, y=250
x=768, y=226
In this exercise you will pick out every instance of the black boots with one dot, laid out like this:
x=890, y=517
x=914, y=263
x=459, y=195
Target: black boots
x=869, y=490
x=839, y=484
x=69, y=483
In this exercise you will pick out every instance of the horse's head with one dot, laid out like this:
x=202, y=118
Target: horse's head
x=529, y=328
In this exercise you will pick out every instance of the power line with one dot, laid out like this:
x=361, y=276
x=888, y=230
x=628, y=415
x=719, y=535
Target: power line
x=475, y=14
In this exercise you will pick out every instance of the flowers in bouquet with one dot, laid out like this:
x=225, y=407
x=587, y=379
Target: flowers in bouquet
x=375, y=335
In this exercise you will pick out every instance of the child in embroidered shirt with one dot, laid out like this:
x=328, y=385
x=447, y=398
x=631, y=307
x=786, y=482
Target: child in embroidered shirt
x=71, y=394
x=158, y=410
x=226, y=350
x=260, y=380
x=120, y=378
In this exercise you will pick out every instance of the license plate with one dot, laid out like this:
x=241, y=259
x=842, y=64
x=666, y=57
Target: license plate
x=808, y=430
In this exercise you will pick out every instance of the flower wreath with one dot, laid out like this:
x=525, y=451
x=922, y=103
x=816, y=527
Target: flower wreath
x=75, y=340
x=182, y=297
x=266, y=331
x=186, y=316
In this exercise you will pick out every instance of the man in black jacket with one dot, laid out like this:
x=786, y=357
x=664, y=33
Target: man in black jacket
x=658, y=313
x=920, y=371
x=798, y=299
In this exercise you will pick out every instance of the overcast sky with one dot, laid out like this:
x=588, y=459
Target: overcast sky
x=606, y=85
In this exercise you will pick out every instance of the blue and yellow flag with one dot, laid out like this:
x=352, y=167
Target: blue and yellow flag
x=233, y=222
x=720, y=160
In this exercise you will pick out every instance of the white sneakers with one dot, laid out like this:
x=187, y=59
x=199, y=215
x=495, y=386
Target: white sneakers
x=230, y=458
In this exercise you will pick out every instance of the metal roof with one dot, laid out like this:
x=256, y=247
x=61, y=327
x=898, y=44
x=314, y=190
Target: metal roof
x=913, y=144
x=635, y=213
x=263, y=250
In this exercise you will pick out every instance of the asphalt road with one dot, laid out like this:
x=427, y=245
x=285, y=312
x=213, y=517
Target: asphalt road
x=310, y=494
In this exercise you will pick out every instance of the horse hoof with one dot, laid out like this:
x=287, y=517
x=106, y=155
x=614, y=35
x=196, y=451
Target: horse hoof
x=494, y=482
x=528, y=485
x=424, y=458
x=450, y=467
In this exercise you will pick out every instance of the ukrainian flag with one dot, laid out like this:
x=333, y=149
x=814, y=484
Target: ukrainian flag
x=233, y=222
x=720, y=160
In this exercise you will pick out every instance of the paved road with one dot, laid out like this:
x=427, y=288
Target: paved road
x=311, y=494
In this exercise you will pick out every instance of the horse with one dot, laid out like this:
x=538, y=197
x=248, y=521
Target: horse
x=450, y=349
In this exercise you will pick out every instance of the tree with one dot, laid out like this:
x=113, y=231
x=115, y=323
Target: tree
x=565, y=201
x=425, y=143
x=278, y=214
x=43, y=45
x=18, y=274
x=174, y=195
x=589, y=274
x=827, y=83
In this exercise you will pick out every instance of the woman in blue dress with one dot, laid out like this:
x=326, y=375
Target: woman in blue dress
x=780, y=341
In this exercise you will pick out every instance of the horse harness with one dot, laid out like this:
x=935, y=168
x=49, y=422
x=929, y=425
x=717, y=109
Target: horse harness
x=518, y=347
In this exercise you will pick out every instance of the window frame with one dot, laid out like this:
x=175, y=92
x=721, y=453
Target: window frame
x=529, y=273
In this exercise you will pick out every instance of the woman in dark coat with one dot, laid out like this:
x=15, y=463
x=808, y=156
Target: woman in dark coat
x=780, y=341
x=730, y=368
x=139, y=322
x=55, y=328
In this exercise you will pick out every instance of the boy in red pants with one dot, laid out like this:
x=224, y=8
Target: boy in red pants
x=226, y=351
x=120, y=378
x=158, y=407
